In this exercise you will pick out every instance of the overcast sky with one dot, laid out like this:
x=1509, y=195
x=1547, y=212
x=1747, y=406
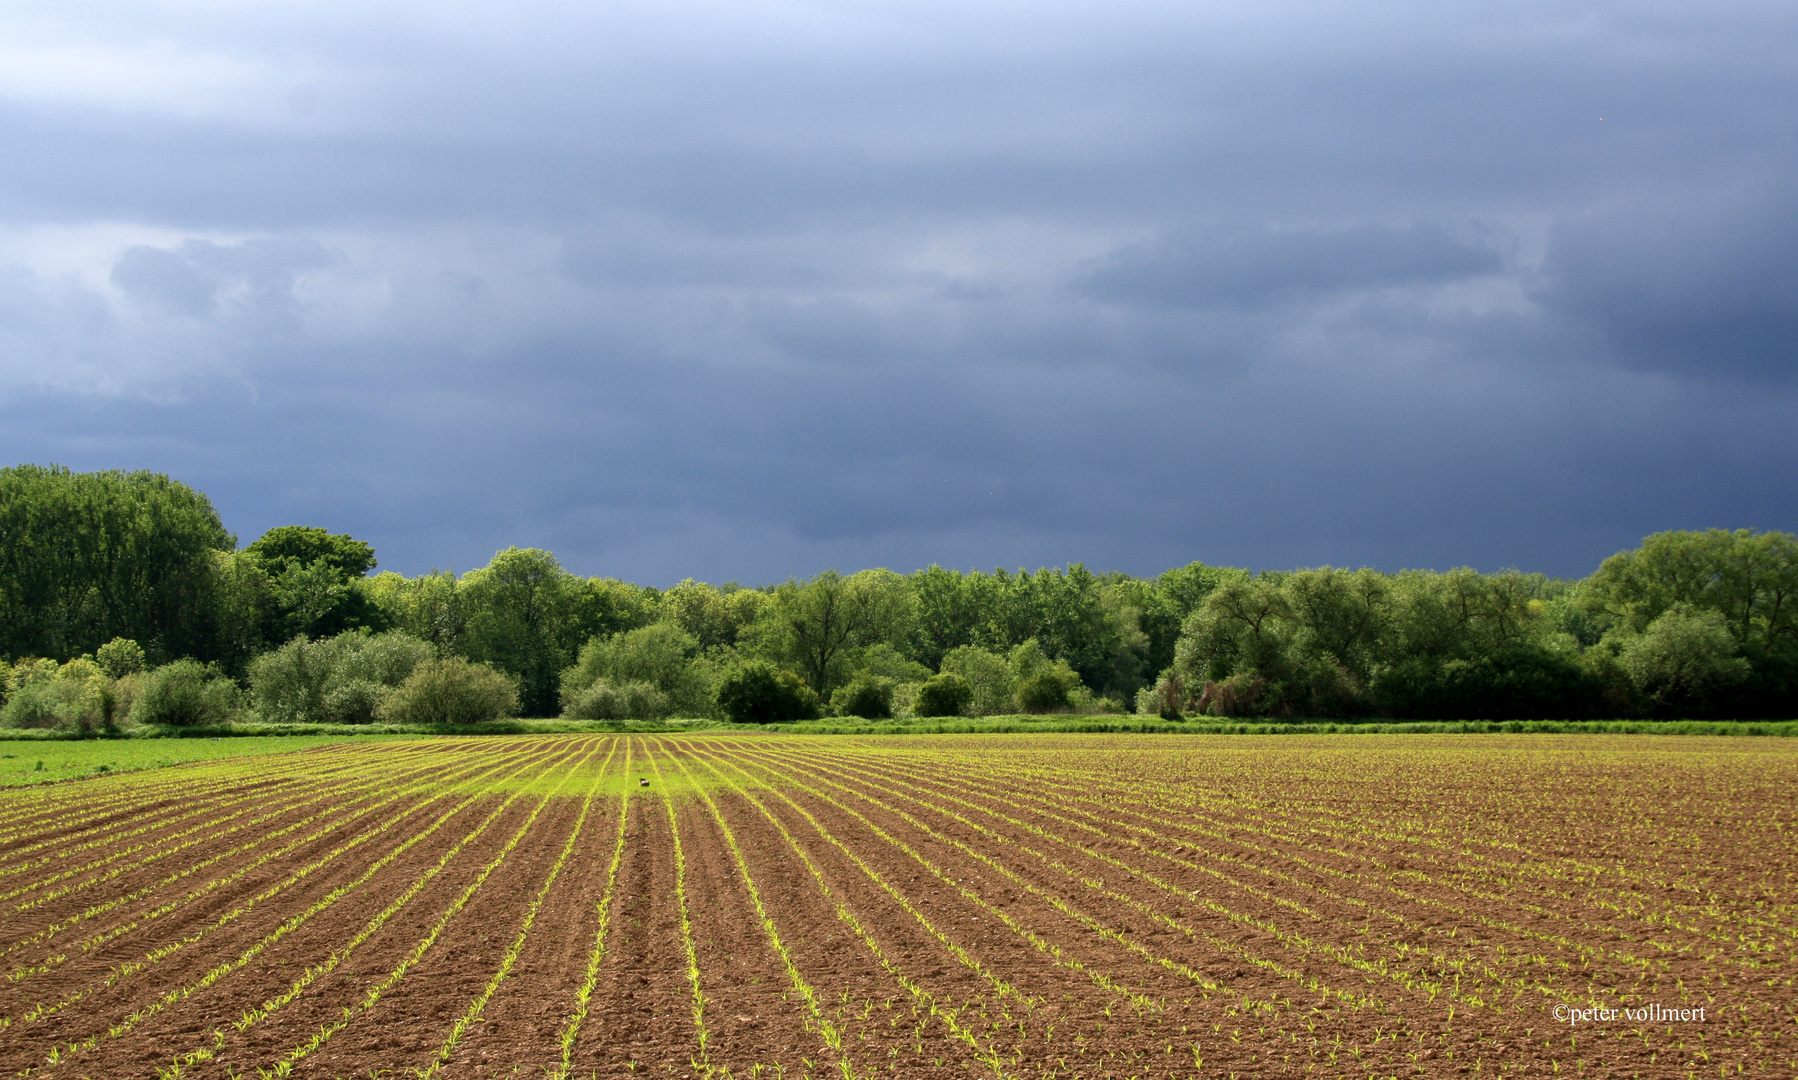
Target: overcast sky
x=751, y=289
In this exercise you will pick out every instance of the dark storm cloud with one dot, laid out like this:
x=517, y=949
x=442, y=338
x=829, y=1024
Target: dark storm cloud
x=1262, y=267
x=751, y=290
x=1705, y=287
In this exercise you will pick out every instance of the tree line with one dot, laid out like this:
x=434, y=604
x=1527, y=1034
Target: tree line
x=124, y=598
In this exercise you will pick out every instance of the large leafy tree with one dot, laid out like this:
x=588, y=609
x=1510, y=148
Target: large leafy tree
x=815, y=624
x=316, y=579
x=1749, y=578
x=87, y=557
x=522, y=613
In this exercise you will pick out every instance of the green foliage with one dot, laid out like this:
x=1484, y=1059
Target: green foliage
x=354, y=701
x=88, y=557
x=1527, y=682
x=339, y=679
x=119, y=657
x=1330, y=642
x=757, y=693
x=943, y=695
x=661, y=655
x=451, y=691
x=523, y=619
x=1166, y=699
x=1090, y=622
x=989, y=677
x=817, y=626
x=306, y=546
x=715, y=616
x=62, y=704
x=882, y=660
x=602, y=699
x=312, y=582
x=185, y=693
x=1748, y=578
x=76, y=698
x=1042, y=693
x=866, y=696
x=1683, y=660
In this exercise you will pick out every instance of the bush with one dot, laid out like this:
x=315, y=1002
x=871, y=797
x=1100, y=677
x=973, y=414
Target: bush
x=1524, y=683
x=64, y=704
x=947, y=694
x=869, y=697
x=357, y=701
x=1242, y=694
x=604, y=700
x=306, y=681
x=1043, y=692
x=755, y=693
x=451, y=691
x=1683, y=661
x=120, y=657
x=185, y=693
x=384, y=660
x=661, y=655
x=1166, y=699
x=988, y=674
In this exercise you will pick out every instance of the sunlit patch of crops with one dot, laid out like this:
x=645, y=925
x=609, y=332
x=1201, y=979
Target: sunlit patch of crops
x=1005, y=906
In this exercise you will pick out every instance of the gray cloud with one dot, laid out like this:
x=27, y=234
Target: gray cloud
x=1252, y=269
x=1705, y=286
x=750, y=290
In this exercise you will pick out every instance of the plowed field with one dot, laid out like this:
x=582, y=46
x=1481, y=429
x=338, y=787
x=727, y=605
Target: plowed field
x=999, y=906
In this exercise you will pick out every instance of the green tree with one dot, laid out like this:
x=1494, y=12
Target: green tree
x=944, y=695
x=87, y=557
x=308, y=546
x=812, y=625
x=431, y=607
x=1749, y=578
x=521, y=611
x=316, y=579
x=1683, y=660
x=756, y=692
x=661, y=655
x=715, y=616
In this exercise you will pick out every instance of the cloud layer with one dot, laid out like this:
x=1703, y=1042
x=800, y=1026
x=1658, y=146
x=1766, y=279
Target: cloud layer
x=752, y=290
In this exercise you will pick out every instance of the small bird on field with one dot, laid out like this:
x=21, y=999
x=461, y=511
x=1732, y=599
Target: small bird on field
x=644, y=782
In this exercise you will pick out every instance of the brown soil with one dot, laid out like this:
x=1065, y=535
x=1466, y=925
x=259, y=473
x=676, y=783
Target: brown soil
x=1026, y=908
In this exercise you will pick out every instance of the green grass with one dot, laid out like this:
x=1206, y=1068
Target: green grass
x=971, y=725
x=41, y=761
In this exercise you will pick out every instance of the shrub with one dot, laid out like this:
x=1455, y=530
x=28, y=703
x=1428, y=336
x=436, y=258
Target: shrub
x=451, y=691
x=1242, y=694
x=1683, y=660
x=185, y=693
x=755, y=693
x=306, y=681
x=384, y=660
x=1042, y=693
x=661, y=654
x=1523, y=683
x=356, y=701
x=64, y=704
x=947, y=694
x=1166, y=699
x=120, y=657
x=988, y=674
x=604, y=700
x=27, y=670
x=867, y=696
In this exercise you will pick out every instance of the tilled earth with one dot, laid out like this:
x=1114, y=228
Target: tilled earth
x=1004, y=906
